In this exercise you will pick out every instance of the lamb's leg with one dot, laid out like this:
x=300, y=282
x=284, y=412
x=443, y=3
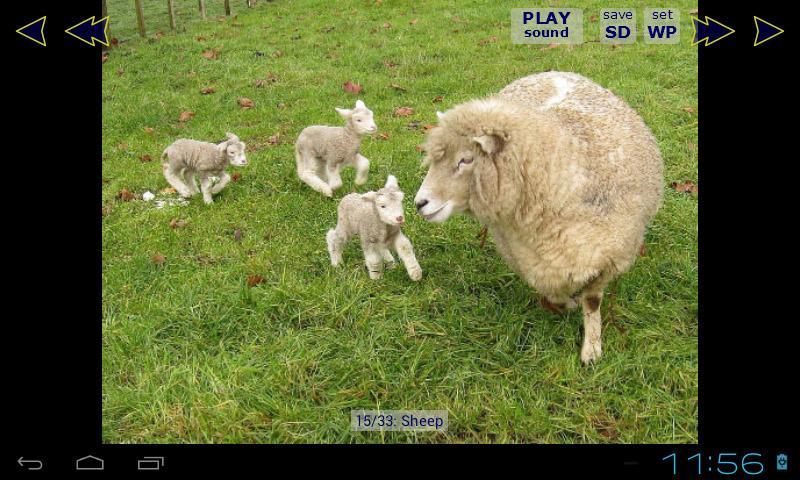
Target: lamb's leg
x=334, y=178
x=205, y=187
x=373, y=259
x=590, y=298
x=188, y=176
x=174, y=178
x=362, y=169
x=388, y=259
x=223, y=180
x=336, y=239
x=406, y=253
x=307, y=172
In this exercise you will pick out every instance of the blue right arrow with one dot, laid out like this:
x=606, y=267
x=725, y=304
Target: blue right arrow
x=765, y=31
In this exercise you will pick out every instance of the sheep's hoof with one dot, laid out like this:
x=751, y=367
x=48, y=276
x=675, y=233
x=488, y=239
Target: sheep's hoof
x=361, y=181
x=328, y=192
x=591, y=352
x=557, y=308
x=415, y=274
x=390, y=264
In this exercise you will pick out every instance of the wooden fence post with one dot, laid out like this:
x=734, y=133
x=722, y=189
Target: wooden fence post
x=171, y=11
x=140, y=18
x=202, y=5
x=228, y=8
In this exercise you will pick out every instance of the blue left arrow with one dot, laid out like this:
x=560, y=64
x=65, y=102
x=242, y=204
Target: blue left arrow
x=90, y=30
x=34, y=31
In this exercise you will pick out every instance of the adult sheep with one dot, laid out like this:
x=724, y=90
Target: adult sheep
x=565, y=175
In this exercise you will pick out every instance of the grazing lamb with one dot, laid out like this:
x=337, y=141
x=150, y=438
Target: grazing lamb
x=376, y=218
x=565, y=175
x=186, y=158
x=321, y=151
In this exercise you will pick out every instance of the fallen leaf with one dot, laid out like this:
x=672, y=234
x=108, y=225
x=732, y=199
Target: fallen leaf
x=378, y=3
x=237, y=235
x=246, y=103
x=277, y=54
x=642, y=251
x=159, y=34
x=211, y=54
x=149, y=129
x=491, y=39
x=200, y=38
x=281, y=106
x=207, y=90
x=549, y=46
x=114, y=41
x=389, y=64
x=403, y=111
x=122, y=146
x=351, y=87
x=158, y=259
x=236, y=177
x=254, y=279
x=259, y=83
x=686, y=187
x=104, y=57
x=688, y=109
x=419, y=148
x=120, y=71
x=274, y=139
x=145, y=158
x=125, y=195
x=169, y=190
x=387, y=25
x=186, y=116
x=107, y=210
x=413, y=22
x=592, y=18
x=272, y=77
x=414, y=125
x=428, y=127
x=397, y=87
x=438, y=98
x=177, y=223
x=383, y=136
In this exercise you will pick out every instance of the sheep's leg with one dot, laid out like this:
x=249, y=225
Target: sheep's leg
x=205, y=188
x=223, y=180
x=336, y=239
x=590, y=297
x=174, y=179
x=388, y=259
x=558, y=304
x=406, y=253
x=308, y=174
x=334, y=178
x=188, y=176
x=373, y=259
x=362, y=169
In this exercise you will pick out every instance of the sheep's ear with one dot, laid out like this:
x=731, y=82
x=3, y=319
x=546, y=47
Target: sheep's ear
x=344, y=112
x=490, y=144
x=360, y=105
x=232, y=137
x=369, y=196
x=392, y=182
x=439, y=115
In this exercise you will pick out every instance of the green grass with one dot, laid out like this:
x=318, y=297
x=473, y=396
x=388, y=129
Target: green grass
x=192, y=354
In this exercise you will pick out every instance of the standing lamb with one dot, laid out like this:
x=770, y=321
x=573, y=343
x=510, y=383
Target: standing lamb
x=565, y=175
x=186, y=158
x=376, y=218
x=321, y=151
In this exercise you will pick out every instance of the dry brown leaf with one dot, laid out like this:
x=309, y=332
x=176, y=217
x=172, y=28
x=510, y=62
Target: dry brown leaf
x=277, y=54
x=149, y=129
x=383, y=136
x=104, y=57
x=686, y=187
x=351, y=87
x=254, y=279
x=211, y=54
x=145, y=158
x=642, y=251
x=592, y=18
x=125, y=195
x=177, y=223
x=549, y=46
x=491, y=39
x=158, y=259
x=237, y=235
x=688, y=109
x=246, y=102
x=120, y=71
x=428, y=127
x=200, y=38
x=387, y=25
x=169, y=190
x=259, y=83
x=274, y=139
x=419, y=148
x=438, y=99
x=236, y=177
x=414, y=21
x=389, y=64
x=207, y=90
x=397, y=87
x=186, y=116
x=403, y=111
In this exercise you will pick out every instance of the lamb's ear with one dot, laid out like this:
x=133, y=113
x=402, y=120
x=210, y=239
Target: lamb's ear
x=344, y=112
x=232, y=137
x=360, y=105
x=392, y=182
x=369, y=196
x=439, y=115
x=490, y=144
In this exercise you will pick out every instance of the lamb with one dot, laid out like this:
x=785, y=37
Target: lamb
x=376, y=218
x=321, y=151
x=186, y=158
x=565, y=175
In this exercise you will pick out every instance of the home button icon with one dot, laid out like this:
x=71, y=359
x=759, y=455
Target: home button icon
x=89, y=462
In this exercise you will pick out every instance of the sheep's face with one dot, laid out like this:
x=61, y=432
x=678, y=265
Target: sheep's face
x=359, y=119
x=388, y=202
x=233, y=149
x=450, y=158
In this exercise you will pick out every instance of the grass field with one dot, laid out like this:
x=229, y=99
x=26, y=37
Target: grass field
x=191, y=353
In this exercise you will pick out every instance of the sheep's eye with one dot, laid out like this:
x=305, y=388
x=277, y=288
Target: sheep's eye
x=465, y=161
x=358, y=120
x=383, y=206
